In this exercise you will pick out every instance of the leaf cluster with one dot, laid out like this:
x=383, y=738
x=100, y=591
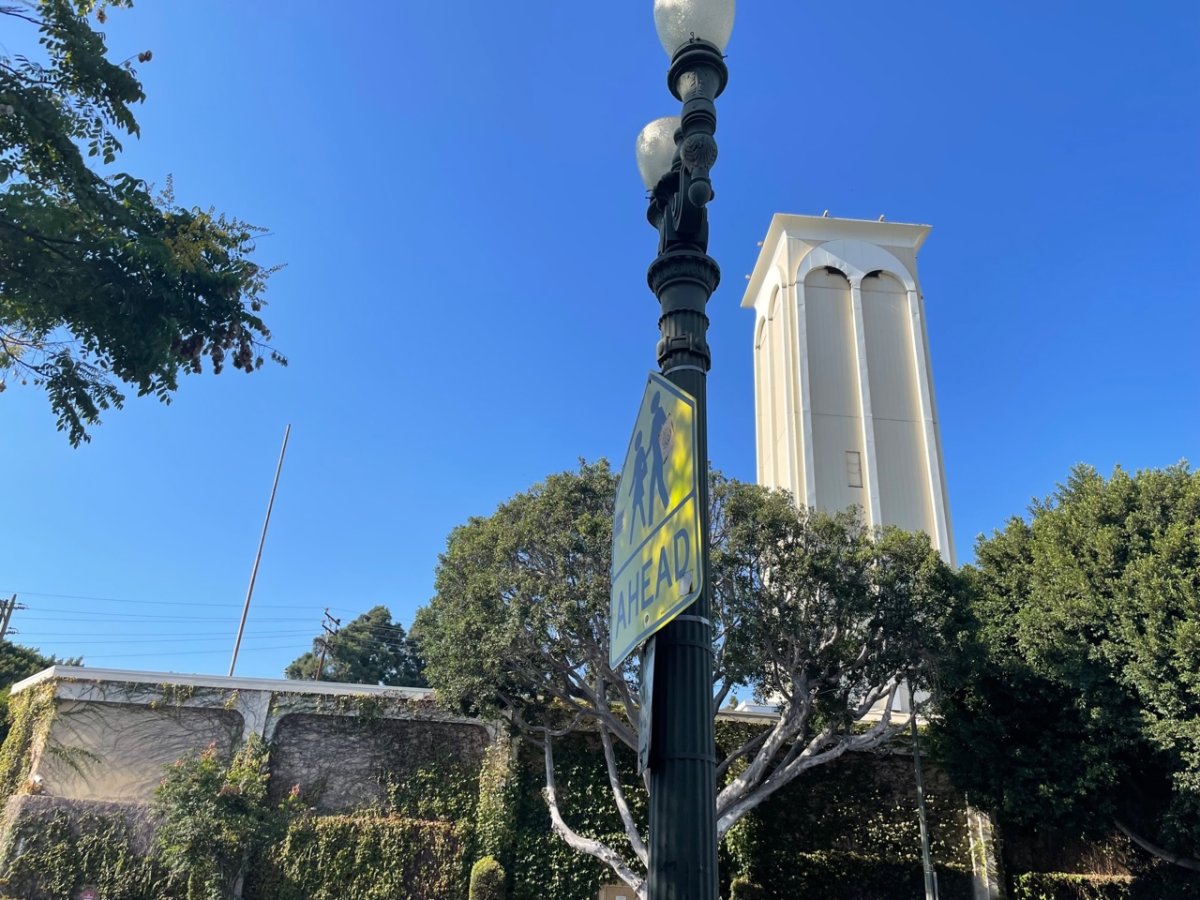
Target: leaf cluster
x=214, y=816
x=813, y=613
x=1076, y=698
x=366, y=857
x=370, y=649
x=103, y=282
x=487, y=880
x=805, y=598
x=16, y=664
x=520, y=613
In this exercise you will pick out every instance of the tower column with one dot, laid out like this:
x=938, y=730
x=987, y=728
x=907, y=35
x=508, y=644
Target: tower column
x=794, y=292
x=870, y=464
x=929, y=431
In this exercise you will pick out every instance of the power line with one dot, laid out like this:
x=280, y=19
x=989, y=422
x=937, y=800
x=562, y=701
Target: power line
x=183, y=653
x=190, y=603
x=67, y=639
x=176, y=637
x=77, y=613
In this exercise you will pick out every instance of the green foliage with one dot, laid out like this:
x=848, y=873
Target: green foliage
x=807, y=600
x=30, y=715
x=487, y=880
x=815, y=609
x=743, y=888
x=371, y=649
x=519, y=588
x=1063, y=886
x=445, y=791
x=862, y=805
x=1156, y=881
x=365, y=857
x=102, y=282
x=496, y=808
x=1076, y=694
x=834, y=875
x=213, y=818
x=542, y=865
x=16, y=664
x=63, y=852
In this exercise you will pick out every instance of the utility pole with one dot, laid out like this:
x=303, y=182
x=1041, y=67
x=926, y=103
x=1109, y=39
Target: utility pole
x=324, y=639
x=7, y=607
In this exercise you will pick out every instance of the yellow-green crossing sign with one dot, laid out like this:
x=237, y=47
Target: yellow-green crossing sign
x=656, y=559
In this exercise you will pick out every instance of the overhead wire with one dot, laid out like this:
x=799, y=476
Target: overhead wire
x=154, y=640
x=236, y=605
x=182, y=653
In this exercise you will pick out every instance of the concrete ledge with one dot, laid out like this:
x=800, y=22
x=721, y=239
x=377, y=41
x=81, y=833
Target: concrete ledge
x=273, y=685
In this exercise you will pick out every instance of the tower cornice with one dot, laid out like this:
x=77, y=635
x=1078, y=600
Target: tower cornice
x=817, y=230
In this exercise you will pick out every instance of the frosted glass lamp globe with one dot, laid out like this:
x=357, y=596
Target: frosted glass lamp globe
x=656, y=149
x=678, y=21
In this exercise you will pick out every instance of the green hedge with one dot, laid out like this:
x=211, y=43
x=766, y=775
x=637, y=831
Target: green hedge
x=364, y=857
x=833, y=875
x=542, y=866
x=1064, y=886
x=742, y=888
x=844, y=830
x=1157, y=882
x=487, y=880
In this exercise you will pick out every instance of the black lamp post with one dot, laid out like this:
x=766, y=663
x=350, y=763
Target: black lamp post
x=675, y=157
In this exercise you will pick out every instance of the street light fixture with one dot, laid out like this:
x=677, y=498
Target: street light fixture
x=675, y=156
x=656, y=149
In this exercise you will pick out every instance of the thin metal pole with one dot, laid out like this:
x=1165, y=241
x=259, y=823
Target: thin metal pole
x=258, y=556
x=931, y=891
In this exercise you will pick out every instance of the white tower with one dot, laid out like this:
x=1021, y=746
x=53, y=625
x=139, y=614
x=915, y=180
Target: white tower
x=844, y=401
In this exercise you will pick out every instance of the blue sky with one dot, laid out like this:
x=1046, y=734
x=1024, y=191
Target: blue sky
x=453, y=190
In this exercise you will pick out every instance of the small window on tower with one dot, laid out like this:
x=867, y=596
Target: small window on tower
x=854, y=468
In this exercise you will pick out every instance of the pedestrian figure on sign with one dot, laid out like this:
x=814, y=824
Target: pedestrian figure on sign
x=663, y=431
x=640, y=467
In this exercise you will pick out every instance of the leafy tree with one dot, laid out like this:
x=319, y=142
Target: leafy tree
x=102, y=282
x=1075, y=699
x=371, y=649
x=812, y=612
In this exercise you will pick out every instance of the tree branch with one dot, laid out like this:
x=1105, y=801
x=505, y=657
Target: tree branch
x=741, y=751
x=733, y=804
x=578, y=842
x=720, y=696
x=1155, y=850
x=631, y=830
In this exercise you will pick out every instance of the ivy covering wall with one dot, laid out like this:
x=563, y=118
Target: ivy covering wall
x=53, y=855
x=367, y=857
x=30, y=715
x=843, y=831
